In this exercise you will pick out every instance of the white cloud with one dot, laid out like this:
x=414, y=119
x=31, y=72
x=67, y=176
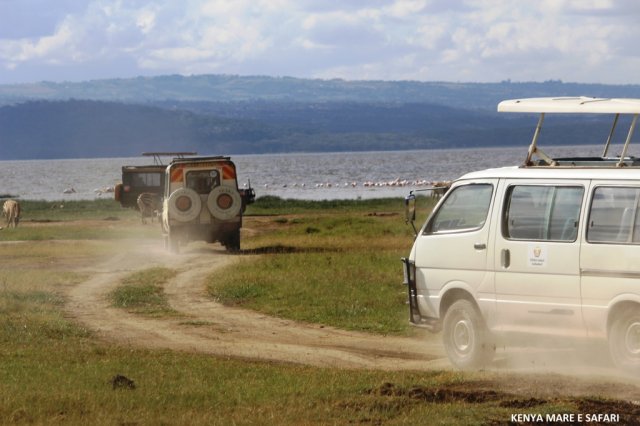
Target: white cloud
x=405, y=8
x=146, y=20
x=480, y=40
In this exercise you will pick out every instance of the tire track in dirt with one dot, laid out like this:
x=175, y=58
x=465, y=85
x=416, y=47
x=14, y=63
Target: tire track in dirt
x=209, y=327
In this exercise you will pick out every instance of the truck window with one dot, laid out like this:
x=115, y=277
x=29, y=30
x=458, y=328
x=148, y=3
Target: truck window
x=144, y=179
x=613, y=217
x=465, y=209
x=542, y=213
x=203, y=181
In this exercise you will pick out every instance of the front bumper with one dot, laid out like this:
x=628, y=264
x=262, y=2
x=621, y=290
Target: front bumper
x=415, y=315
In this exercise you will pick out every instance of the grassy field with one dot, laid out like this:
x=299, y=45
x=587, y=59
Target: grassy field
x=331, y=263
x=340, y=269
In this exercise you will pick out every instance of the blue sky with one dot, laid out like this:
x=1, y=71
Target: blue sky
x=589, y=41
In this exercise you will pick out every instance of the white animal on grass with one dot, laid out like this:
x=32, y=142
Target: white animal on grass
x=11, y=210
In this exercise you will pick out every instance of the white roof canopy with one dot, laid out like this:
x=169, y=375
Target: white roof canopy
x=574, y=105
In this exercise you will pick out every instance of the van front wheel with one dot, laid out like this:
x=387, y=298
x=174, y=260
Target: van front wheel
x=624, y=340
x=467, y=341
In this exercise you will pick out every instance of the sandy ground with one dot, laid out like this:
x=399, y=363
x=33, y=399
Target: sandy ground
x=208, y=327
x=212, y=328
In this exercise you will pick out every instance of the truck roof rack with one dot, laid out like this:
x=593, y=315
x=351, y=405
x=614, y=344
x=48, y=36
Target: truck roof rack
x=578, y=105
x=202, y=158
x=157, y=160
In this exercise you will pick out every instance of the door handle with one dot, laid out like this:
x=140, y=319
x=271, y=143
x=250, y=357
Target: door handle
x=505, y=258
x=479, y=246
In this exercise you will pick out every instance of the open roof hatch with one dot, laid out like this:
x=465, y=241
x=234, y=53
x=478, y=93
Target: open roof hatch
x=578, y=105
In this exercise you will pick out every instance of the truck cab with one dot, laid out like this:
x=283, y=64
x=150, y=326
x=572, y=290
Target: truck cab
x=202, y=201
x=148, y=178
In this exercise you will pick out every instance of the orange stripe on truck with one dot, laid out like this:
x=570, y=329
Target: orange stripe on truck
x=228, y=172
x=177, y=174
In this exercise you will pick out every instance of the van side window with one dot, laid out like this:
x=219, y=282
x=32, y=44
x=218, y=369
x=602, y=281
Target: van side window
x=542, y=213
x=465, y=209
x=614, y=215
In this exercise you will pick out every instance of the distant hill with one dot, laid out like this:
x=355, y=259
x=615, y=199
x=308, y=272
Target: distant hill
x=80, y=129
x=218, y=114
x=233, y=88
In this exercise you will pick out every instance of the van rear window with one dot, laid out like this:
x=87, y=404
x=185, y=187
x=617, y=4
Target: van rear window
x=614, y=215
x=542, y=212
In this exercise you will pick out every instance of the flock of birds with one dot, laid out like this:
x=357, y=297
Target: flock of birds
x=369, y=184
x=98, y=191
x=366, y=184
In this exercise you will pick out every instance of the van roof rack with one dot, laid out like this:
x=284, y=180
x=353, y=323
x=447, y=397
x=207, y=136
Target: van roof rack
x=578, y=105
x=157, y=160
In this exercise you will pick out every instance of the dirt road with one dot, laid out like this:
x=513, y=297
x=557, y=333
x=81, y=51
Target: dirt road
x=209, y=327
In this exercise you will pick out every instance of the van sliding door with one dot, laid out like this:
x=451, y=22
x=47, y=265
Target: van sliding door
x=610, y=258
x=537, y=258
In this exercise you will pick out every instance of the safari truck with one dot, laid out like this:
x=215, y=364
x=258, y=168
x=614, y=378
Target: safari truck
x=202, y=202
x=548, y=248
x=149, y=178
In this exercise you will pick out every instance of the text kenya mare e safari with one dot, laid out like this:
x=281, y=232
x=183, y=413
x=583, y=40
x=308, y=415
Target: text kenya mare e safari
x=565, y=418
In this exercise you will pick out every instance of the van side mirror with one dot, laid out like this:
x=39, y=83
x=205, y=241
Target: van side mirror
x=410, y=211
x=410, y=208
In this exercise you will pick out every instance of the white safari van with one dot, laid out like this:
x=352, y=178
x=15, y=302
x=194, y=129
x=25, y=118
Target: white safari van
x=551, y=247
x=202, y=202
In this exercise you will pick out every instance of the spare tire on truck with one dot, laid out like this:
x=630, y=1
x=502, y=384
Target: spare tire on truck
x=224, y=202
x=184, y=204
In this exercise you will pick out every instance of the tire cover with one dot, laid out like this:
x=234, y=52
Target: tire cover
x=187, y=215
x=216, y=210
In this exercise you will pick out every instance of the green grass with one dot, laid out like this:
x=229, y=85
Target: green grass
x=271, y=205
x=335, y=268
x=142, y=293
x=55, y=371
x=33, y=210
x=78, y=220
x=356, y=291
x=69, y=384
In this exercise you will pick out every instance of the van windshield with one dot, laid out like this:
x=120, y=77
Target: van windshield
x=465, y=209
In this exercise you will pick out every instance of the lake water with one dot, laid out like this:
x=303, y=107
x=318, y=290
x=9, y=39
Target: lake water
x=301, y=176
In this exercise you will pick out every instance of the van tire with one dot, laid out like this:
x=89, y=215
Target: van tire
x=624, y=339
x=466, y=338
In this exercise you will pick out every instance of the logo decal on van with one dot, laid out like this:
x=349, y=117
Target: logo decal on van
x=537, y=256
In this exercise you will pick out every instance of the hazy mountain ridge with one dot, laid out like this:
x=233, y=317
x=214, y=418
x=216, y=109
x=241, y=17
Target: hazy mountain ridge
x=232, y=88
x=241, y=115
